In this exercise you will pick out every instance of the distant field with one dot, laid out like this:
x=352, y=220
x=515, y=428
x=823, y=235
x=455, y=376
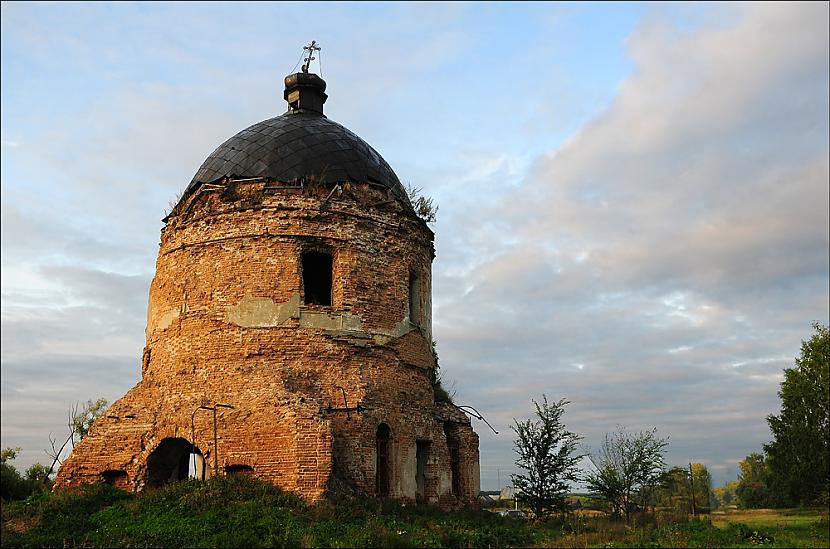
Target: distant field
x=739, y=528
x=764, y=518
x=780, y=527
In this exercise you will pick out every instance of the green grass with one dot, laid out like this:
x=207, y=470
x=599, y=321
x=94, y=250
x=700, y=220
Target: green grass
x=242, y=512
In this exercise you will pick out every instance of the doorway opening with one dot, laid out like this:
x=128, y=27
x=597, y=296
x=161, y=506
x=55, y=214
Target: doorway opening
x=382, y=468
x=455, y=459
x=421, y=458
x=174, y=459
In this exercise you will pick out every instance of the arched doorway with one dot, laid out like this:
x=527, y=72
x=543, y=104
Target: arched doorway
x=174, y=459
x=382, y=467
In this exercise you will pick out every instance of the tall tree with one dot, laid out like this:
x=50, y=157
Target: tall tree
x=673, y=490
x=628, y=464
x=799, y=454
x=752, y=490
x=547, y=452
x=701, y=482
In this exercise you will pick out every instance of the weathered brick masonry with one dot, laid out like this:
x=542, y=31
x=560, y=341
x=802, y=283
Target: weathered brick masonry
x=293, y=283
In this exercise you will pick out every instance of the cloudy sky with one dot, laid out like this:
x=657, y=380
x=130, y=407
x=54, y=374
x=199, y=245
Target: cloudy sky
x=633, y=198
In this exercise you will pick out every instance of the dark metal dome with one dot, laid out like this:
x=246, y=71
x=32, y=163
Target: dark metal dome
x=298, y=144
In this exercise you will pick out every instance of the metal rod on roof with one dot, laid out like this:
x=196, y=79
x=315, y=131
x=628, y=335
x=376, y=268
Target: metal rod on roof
x=476, y=414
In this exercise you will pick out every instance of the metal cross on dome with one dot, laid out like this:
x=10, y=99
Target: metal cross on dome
x=311, y=48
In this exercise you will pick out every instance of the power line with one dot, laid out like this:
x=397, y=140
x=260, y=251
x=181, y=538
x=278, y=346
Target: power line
x=298, y=62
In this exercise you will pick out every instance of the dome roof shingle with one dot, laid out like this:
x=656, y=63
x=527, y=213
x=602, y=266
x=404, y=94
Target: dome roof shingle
x=299, y=144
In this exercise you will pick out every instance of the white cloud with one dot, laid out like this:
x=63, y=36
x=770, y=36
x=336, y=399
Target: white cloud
x=681, y=230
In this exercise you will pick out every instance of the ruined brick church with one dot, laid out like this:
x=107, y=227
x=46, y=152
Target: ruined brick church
x=289, y=329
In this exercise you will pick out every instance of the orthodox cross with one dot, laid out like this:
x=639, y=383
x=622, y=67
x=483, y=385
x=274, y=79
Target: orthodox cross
x=311, y=48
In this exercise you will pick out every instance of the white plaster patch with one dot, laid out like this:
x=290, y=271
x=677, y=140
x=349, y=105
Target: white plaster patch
x=167, y=319
x=262, y=312
x=402, y=328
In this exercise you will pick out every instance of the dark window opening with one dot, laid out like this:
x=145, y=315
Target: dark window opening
x=238, y=469
x=317, y=278
x=382, y=472
x=116, y=477
x=455, y=459
x=414, y=299
x=421, y=459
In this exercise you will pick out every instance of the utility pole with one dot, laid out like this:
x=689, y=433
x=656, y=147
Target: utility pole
x=216, y=438
x=692, y=488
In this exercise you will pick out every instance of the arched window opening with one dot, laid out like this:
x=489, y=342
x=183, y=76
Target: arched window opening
x=317, y=276
x=382, y=469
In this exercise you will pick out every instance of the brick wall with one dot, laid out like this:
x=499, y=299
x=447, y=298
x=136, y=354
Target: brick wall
x=227, y=323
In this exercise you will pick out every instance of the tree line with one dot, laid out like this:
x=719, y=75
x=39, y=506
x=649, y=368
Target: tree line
x=630, y=473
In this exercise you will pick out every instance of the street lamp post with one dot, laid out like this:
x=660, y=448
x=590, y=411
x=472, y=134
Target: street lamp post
x=215, y=435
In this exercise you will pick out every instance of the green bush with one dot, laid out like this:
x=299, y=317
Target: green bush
x=12, y=485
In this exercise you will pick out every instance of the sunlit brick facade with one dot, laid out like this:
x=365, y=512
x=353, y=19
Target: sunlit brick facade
x=293, y=284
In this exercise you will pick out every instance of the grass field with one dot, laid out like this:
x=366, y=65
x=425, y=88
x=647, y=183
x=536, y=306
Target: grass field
x=787, y=527
x=766, y=518
x=241, y=512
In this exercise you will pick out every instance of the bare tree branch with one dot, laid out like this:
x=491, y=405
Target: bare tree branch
x=55, y=454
